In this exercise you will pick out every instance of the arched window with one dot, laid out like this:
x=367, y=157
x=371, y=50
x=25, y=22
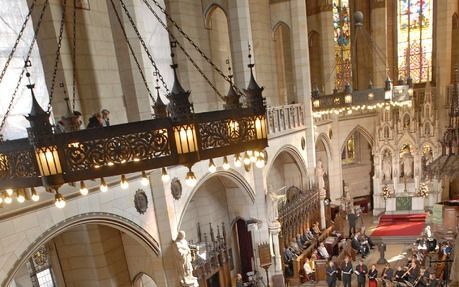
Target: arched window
x=342, y=32
x=414, y=38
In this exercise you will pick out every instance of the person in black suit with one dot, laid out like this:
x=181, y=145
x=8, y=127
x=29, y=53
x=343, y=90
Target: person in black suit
x=346, y=271
x=361, y=270
x=352, y=218
x=331, y=274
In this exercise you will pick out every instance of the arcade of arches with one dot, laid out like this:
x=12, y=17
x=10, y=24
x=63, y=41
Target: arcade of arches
x=321, y=171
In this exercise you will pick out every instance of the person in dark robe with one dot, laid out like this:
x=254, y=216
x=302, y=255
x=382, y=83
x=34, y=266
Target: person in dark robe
x=352, y=219
x=331, y=274
x=372, y=275
x=346, y=271
x=361, y=271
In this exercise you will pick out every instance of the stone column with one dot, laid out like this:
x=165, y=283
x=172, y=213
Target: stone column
x=328, y=50
x=302, y=75
x=379, y=35
x=323, y=221
x=263, y=49
x=442, y=54
x=163, y=203
x=274, y=230
x=241, y=35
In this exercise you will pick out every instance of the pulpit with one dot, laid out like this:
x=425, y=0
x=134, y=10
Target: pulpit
x=321, y=265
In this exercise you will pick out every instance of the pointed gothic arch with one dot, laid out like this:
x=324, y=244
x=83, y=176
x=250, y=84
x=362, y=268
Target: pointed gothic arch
x=102, y=218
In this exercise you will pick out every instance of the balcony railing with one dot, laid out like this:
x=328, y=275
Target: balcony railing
x=285, y=119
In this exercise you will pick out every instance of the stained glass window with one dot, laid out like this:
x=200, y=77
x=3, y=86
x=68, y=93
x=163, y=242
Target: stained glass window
x=415, y=39
x=342, y=35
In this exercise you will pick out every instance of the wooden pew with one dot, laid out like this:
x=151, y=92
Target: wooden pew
x=298, y=263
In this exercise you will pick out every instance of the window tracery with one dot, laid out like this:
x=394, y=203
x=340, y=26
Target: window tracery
x=414, y=39
x=342, y=37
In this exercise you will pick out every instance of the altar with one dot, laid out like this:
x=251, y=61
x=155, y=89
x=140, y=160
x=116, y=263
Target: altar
x=405, y=203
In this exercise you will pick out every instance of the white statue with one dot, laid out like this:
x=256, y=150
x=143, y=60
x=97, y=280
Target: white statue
x=387, y=166
x=275, y=198
x=183, y=253
x=320, y=175
x=407, y=162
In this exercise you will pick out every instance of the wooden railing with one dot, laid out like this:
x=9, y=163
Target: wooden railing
x=282, y=119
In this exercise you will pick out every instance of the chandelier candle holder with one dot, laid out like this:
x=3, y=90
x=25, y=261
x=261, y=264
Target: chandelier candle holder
x=175, y=135
x=51, y=160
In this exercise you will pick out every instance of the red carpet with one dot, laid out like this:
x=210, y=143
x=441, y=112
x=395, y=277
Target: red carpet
x=400, y=225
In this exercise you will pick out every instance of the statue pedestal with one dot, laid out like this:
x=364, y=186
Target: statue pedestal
x=190, y=282
x=274, y=228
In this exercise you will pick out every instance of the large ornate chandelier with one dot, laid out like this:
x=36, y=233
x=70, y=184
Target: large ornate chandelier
x=175, y=136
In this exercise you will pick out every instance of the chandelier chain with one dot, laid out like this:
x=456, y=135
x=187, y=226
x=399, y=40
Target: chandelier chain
x=144, y=45
x=133, y=54
x=209, y=82
x=58, y=53
x=208, y=60
x=27, y=64
x=74, y=57
x=18, y=39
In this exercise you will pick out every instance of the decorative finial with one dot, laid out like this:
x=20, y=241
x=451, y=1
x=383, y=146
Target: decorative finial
x=230, y=75
x=159, y=107
x=179, y=106
x=232, y=98
x=173, y=46
x=251, y=65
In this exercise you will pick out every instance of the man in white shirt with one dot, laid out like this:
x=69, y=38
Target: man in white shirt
x=323, y=251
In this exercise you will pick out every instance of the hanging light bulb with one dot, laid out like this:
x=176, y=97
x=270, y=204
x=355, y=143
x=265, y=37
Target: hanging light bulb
x=237, y=160
x=35, y=196
x=212, y=167
x=164, y=175
x=9, y=191
x=246, y=158
x=260, y=161
x=59, y=200
x=7, y=199
x=20, y=196
x=190, y=178
x=103, y=185
x=144, y=181
x=225, y=165
x=124, y=182
x=253, y=156
x=83, y=189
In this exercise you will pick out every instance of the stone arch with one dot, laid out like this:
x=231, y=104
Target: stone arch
x=218, y=31
x=208, y=13
x=295, y=154
x=231, y=174
x=367, y=135
x=138, y=277
x=323, y=137
x=103, y=218
x=284, y=64
x=277, y=25
x=407, y=139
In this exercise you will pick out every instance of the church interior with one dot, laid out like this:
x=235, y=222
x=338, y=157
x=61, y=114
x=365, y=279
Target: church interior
x=229, y=143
